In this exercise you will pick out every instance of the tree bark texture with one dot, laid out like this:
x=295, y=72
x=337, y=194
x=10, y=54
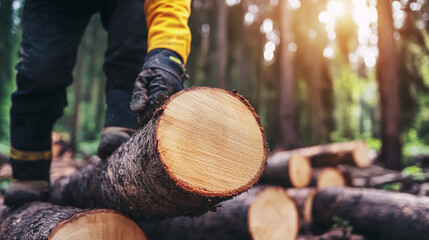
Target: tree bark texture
x=41, y=220
x=376, y=214
x=132, y=181
x=388, y=88
x=135, y=181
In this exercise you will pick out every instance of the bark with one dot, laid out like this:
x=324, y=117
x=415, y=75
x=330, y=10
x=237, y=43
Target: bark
x=286, y=170
x=287, y=83
x=231, y=221
x=371, y=177
x=37, y=221
x=303, y=199
x=335, y=234
x=388, y=88
x=135, y=181
x=351, y=153
x=374, y=213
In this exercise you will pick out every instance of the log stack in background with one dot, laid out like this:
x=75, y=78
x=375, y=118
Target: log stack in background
x=204, y=146
x=375, y=213
x=287, y=170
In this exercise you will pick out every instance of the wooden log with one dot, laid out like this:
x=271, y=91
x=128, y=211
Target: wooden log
x=40, y=221
x=202, y=147
x=352, y=153
x=372, y=176
x=303, y=199
x=262, y=213
x=375, y=213
x=287, y=170
x=335, y=234
x=327, y=177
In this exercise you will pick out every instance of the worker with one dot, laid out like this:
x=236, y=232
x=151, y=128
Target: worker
x=148, y=40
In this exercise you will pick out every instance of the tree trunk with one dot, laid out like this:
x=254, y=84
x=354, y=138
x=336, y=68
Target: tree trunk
x=77, y=98
x=388, y=88
x=262, y=213
x=287, y=170
x=287, y=84
x=6, y=49
x=375, y=213
x=37, y=221
x=204, y=146
x=352, y=153
x=222, y=45
x=327, y=177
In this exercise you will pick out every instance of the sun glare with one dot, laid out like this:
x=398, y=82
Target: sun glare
x=365, y=17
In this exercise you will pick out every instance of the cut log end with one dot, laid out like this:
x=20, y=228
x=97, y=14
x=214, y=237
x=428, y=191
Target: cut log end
x=330, y=177
x=273, y=215
x=361, y=155
x=97, y=224
x=299, y=171
x=211, y=142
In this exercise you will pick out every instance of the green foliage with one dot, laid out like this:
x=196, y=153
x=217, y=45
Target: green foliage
x=4, y=147
x=413, y=145
x=392, y=186
x=341, y=223
x=4, y=184
x=415, y=172
x=373, y=143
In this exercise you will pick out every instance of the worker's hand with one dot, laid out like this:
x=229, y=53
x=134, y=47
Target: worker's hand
x=163, y=75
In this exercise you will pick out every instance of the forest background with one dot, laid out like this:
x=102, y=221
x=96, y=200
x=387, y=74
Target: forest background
x=316, y=71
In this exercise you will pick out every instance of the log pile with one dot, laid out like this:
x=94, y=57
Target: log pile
x=204, y=146
x=201, y=152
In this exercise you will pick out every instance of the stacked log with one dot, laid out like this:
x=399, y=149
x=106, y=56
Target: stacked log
x=327, y=177
x=354, y=153
x=262, y=213
x=287, y=170
x=203, y=147
x=39, y=221
x=375, y=213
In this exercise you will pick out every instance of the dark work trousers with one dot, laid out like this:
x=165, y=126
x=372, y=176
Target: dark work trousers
x=52, y=31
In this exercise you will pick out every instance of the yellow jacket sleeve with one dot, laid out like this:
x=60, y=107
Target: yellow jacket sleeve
x=167, y=22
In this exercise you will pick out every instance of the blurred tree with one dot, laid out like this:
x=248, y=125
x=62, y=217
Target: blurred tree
x=221, y=44
x=388, y=88
x=287, y=82
x=6, y=51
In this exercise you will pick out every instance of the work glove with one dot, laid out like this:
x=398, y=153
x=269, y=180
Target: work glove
x=23, y=191
x=163, y=75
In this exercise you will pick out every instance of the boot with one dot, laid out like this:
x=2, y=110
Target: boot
x=111, y=138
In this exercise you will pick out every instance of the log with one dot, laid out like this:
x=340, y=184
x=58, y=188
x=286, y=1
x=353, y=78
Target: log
x=202, y=147
x=372, y=176
x=327, y=177
x=351, y=153
x=37, y=221
x=287, y=170
x=376, y=214
x=335, y=234
x=303, y=199
x=262, y=213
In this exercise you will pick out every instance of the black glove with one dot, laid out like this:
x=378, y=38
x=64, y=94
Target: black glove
x=163, y=75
